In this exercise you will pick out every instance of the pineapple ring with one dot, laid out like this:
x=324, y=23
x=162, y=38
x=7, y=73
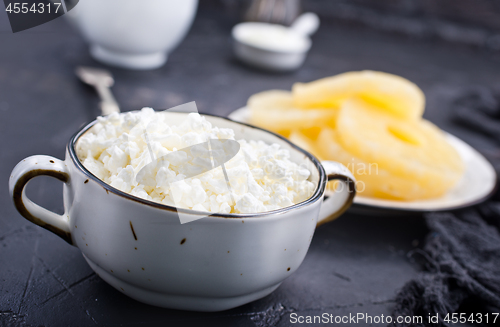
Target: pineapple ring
x=372, y=181
x=369, y=182
x=416, y=151
x=274, y=110
x=305, y=141
x=396, y=94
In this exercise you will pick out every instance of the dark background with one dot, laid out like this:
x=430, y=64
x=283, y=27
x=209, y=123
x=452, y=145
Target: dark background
x=355, y=264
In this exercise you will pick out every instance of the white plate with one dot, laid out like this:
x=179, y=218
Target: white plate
x=478, y=183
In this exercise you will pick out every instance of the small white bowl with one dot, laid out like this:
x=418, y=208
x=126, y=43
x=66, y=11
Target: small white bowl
x=265, y=55
x=275, y=47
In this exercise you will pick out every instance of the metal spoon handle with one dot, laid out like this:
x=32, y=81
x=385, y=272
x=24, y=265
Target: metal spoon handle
x=108, y=103
x=101, y=80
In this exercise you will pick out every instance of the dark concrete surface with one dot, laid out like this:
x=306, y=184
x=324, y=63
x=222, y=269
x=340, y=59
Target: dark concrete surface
x=355, y=264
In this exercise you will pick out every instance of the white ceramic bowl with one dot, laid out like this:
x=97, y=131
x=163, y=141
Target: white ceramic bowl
x=141, y=249
x=133, y=34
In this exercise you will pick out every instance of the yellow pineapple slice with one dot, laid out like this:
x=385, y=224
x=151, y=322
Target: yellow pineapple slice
x=395, y=94
x=305, y=141
x=274, y=110
x=271, y=99
x=371, y=180
x=414, y=151
x=311, y=133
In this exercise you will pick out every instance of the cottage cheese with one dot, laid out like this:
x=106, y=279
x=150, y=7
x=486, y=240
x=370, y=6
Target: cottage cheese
x=261, y=176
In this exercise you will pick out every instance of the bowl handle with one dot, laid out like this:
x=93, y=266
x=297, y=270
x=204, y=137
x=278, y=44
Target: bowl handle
x=23, y=172
x=340, y=199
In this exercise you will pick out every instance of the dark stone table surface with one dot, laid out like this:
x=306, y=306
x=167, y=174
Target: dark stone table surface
x=355, y=264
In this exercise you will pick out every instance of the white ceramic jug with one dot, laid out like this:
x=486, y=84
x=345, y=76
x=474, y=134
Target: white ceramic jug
x=131, y=33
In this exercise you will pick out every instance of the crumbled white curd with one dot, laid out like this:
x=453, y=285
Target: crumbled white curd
x=261, y=176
